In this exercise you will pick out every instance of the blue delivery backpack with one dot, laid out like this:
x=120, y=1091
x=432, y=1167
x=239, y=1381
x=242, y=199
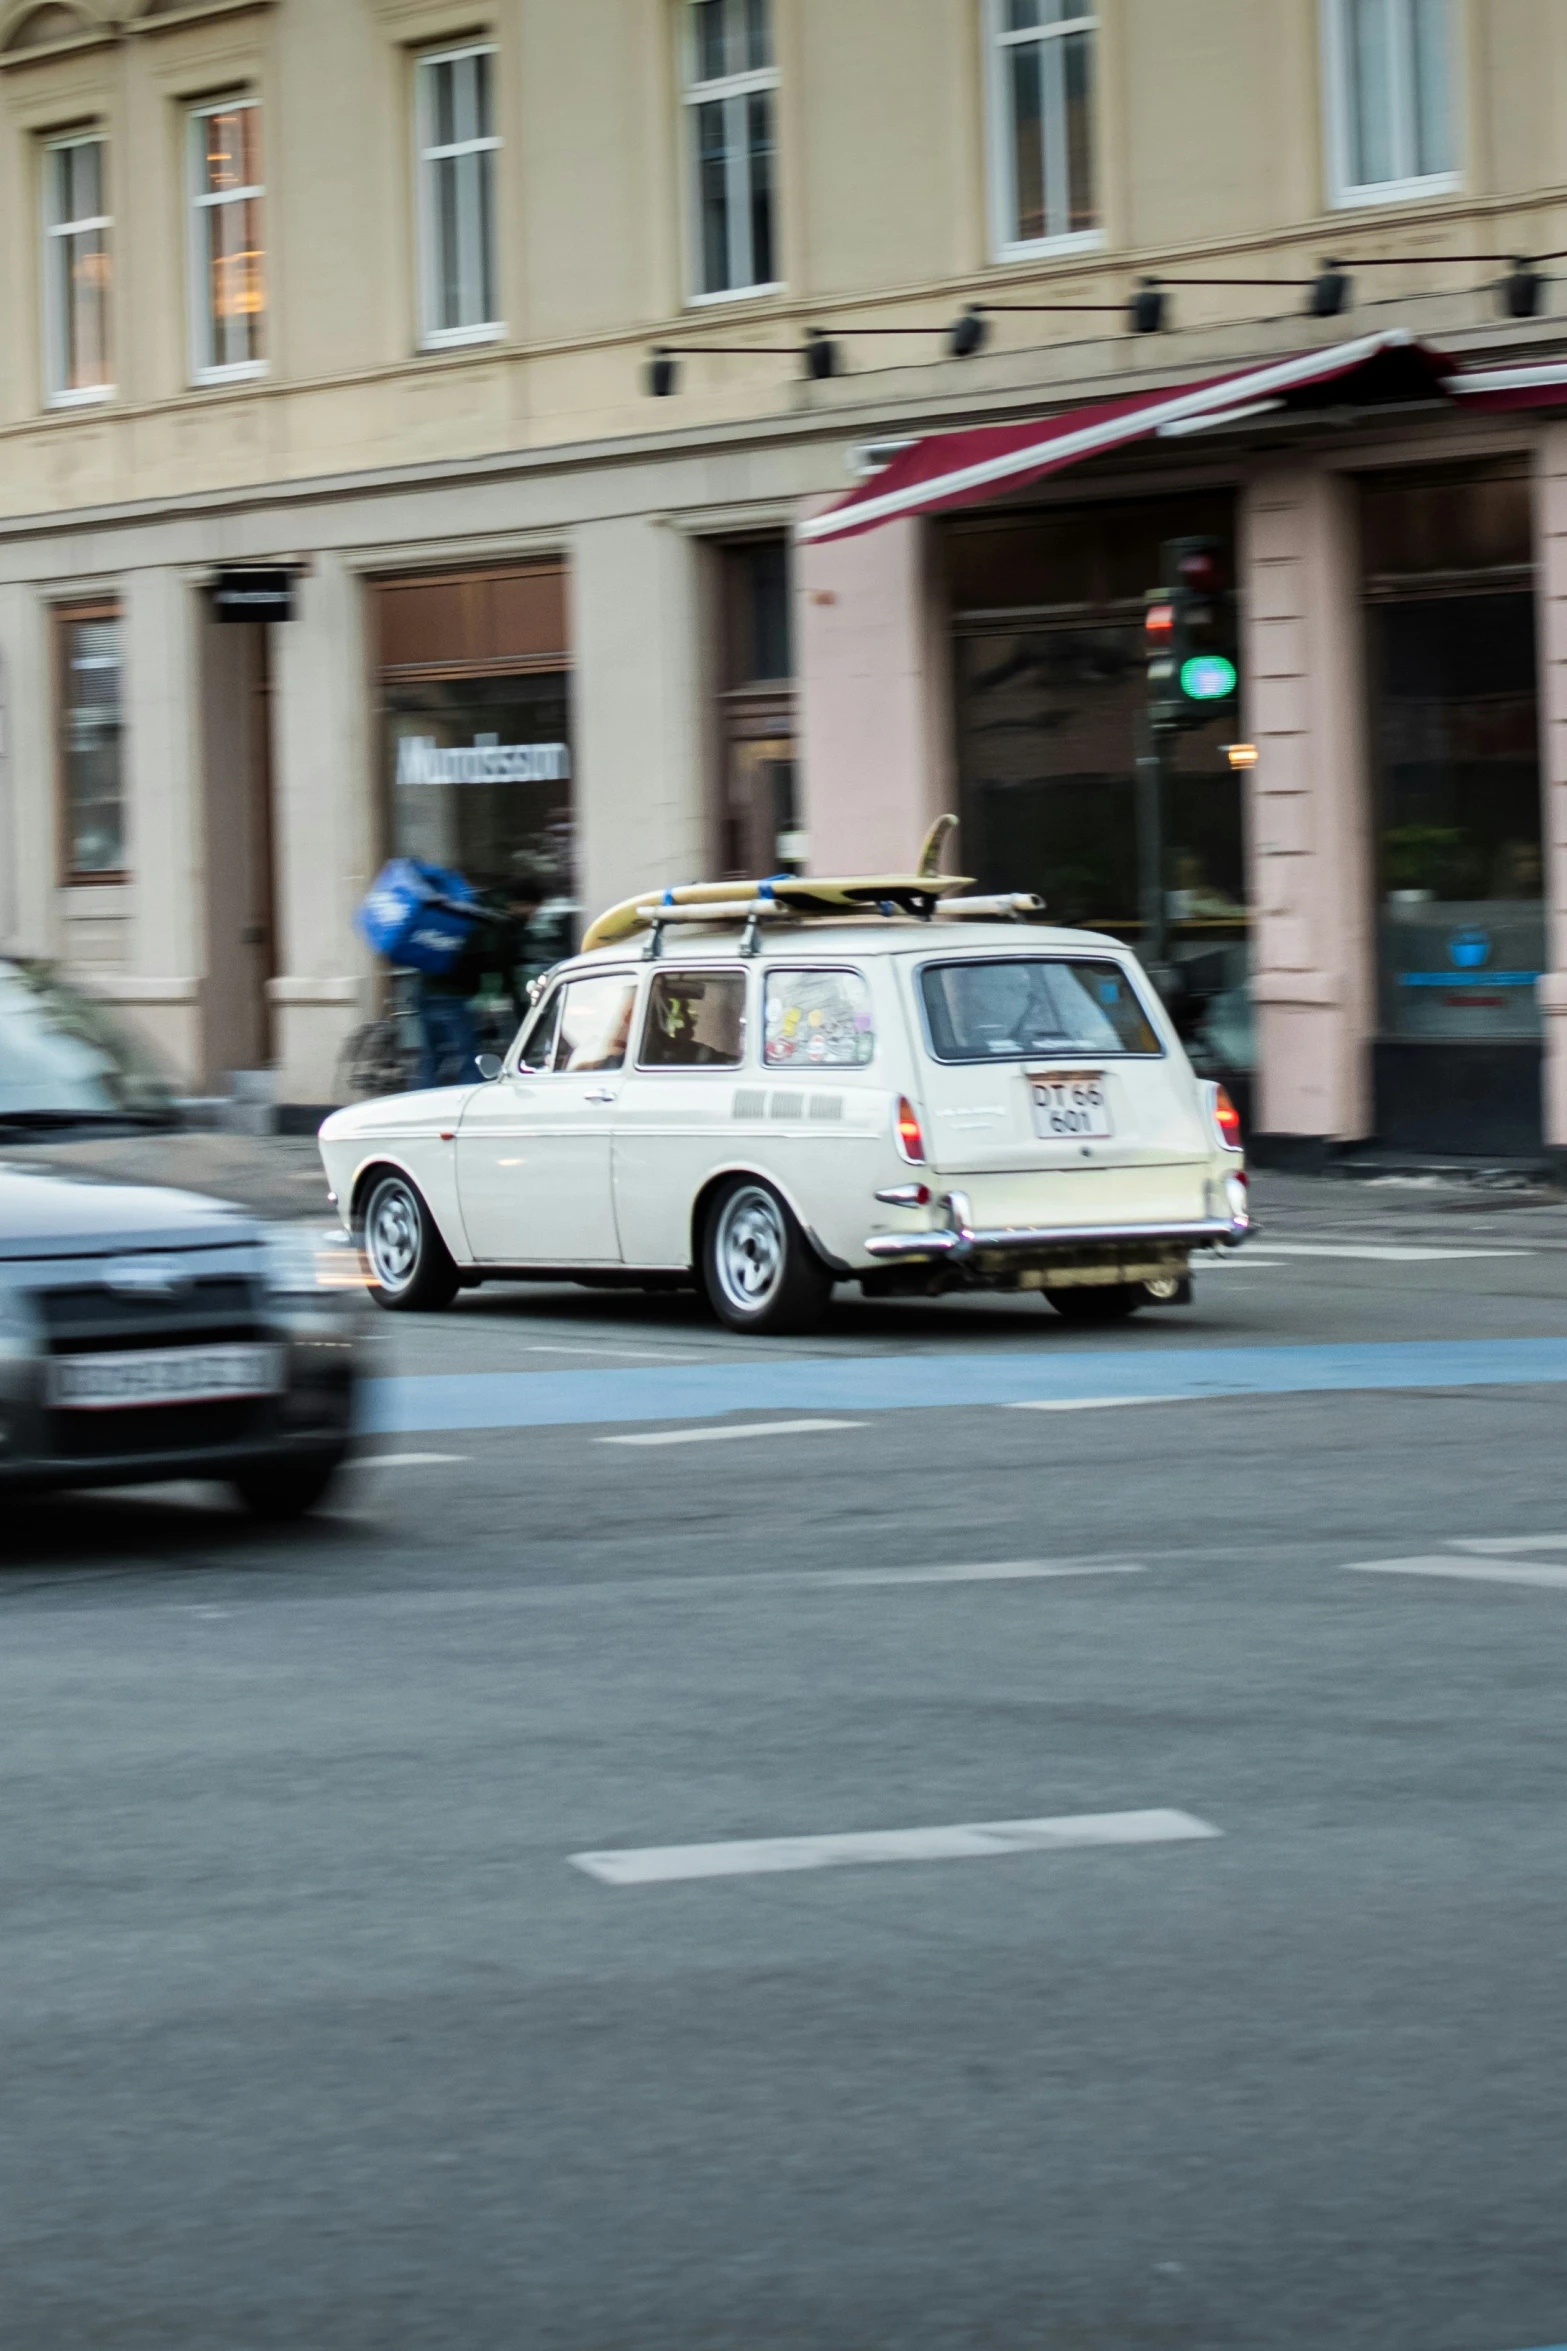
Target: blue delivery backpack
x=415, y=914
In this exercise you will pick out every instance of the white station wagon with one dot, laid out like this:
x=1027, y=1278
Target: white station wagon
x=770, y=1106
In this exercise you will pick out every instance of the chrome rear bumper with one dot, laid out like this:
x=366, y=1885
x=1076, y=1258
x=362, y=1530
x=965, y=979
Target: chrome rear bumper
x=962, y=1238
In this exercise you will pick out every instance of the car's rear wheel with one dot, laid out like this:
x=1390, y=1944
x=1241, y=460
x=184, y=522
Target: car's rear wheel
x=758, y=1269
x=411, y=1269
x=1104, y=1302
x=276, y=1491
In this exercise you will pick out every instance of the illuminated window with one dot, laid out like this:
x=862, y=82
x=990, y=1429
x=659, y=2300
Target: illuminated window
x=228, y=257
x=458, y=147
x=1042, y=104
x=1390, y=104
x=76, y=272
x=89, y=669
x=731, y=97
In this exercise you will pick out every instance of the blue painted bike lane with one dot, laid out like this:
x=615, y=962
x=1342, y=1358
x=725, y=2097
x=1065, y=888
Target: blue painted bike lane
x=429, y=1402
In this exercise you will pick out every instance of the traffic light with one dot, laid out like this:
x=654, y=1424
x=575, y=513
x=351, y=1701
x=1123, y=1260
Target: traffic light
x=1189, y=633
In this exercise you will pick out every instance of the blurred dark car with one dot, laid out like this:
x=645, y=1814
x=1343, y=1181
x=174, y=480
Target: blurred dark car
x=147, y=1333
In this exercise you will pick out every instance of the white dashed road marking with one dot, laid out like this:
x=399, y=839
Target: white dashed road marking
x=406, y=1460
x=1473, y=1571
x=1503, y=1546
x=984, y=1571
x=980, y=1840
x=1096, y=1403
x=748, y=1428
x=1383, y=1252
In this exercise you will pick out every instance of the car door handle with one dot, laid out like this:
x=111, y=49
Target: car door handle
x=600, y=1094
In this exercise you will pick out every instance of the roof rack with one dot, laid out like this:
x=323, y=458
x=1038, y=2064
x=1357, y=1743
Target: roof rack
x=656, y=917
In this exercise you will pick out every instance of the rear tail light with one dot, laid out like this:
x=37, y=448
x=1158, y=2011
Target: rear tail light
x=906, y=1127
x=1227, y=1119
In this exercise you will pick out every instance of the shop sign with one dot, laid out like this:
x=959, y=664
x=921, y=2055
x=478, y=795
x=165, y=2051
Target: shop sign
x=257, y=594
x=421, y=760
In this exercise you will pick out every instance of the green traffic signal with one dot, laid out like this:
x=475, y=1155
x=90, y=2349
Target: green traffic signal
x=1207, y=677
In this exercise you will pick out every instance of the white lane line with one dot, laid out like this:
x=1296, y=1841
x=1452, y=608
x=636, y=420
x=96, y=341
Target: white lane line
x=749, y=1428
x=980, y=1840
x=1096, y=1403
x=1384, y=1252
x=984, y=1571
x=406, y=1460
x=585, y=1347
x=1472, y=1571
x=1235, y=1261
x=1503, y=1546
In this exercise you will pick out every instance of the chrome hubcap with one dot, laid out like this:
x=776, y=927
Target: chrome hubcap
x=750, y=1251
x=392, y=1236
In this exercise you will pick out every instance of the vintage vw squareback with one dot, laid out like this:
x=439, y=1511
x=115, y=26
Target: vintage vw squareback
x=769, y=1089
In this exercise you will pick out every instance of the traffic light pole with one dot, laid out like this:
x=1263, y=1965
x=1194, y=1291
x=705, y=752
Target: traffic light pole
x=1152, y=901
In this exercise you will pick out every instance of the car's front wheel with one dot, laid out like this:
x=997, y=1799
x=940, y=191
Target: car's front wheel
x=1105, y=1302
x=758, y=1269
x=411, y=1269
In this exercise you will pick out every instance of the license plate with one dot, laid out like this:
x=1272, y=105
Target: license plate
x=163, y=1375
x=1070, y=1104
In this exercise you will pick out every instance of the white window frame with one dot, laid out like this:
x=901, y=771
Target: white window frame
x=204, y=369
x=1344, y=191
x=697, y=93
x=1005, y=245
x=426, y=151
x=57, y=393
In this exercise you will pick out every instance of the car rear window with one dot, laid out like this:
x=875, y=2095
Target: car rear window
x=1020, y=1005
x=818, y=1020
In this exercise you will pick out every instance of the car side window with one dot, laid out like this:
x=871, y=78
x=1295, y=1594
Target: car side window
x=695, y=1020
x=818, y=1020
x=538, y=1038
x=595, y=1021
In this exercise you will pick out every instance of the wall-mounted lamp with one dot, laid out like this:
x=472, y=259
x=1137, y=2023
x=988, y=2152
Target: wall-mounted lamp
x=661, y=377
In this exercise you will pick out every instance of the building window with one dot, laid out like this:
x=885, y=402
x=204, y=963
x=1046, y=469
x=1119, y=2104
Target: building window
x=76, y=272
x=457, y=150
x=1042, y=98
x=90, y=672
x=228, y=257
x=1390, y=82
x=731, y=99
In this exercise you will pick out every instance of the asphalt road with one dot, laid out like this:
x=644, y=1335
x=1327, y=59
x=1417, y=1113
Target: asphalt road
x=314, y=2033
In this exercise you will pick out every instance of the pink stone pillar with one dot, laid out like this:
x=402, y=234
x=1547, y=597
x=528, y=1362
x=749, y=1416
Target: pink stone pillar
x=1308, y=834
x=1550, y=507
x=873, y=675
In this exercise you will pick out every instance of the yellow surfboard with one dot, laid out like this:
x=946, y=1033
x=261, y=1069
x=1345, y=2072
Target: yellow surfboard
x=801, y=894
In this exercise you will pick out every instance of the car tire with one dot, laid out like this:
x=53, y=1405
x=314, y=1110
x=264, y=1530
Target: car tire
x=1105, y=1302
x=277, y=1491
x=411, y=1269
x=758, y=1269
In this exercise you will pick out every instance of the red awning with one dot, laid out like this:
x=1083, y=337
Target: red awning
x=965, y=469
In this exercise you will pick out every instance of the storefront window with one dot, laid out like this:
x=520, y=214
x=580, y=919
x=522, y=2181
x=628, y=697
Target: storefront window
x=481, y=784
x=1454, y=729
x=1052, y=697
x=1463, y=915
x=91, y=732
x=475, y=687
x=759, y=819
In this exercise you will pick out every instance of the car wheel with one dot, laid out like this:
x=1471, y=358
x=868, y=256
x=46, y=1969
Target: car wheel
x=1105, y=1302
x=277, y=1491
x=759, y=1270
x=411, y=1270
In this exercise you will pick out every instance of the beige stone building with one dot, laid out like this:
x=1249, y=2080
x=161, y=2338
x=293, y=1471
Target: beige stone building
x=358, y=307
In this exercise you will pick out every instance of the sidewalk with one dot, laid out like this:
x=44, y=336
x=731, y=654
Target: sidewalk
x=273, y=1175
